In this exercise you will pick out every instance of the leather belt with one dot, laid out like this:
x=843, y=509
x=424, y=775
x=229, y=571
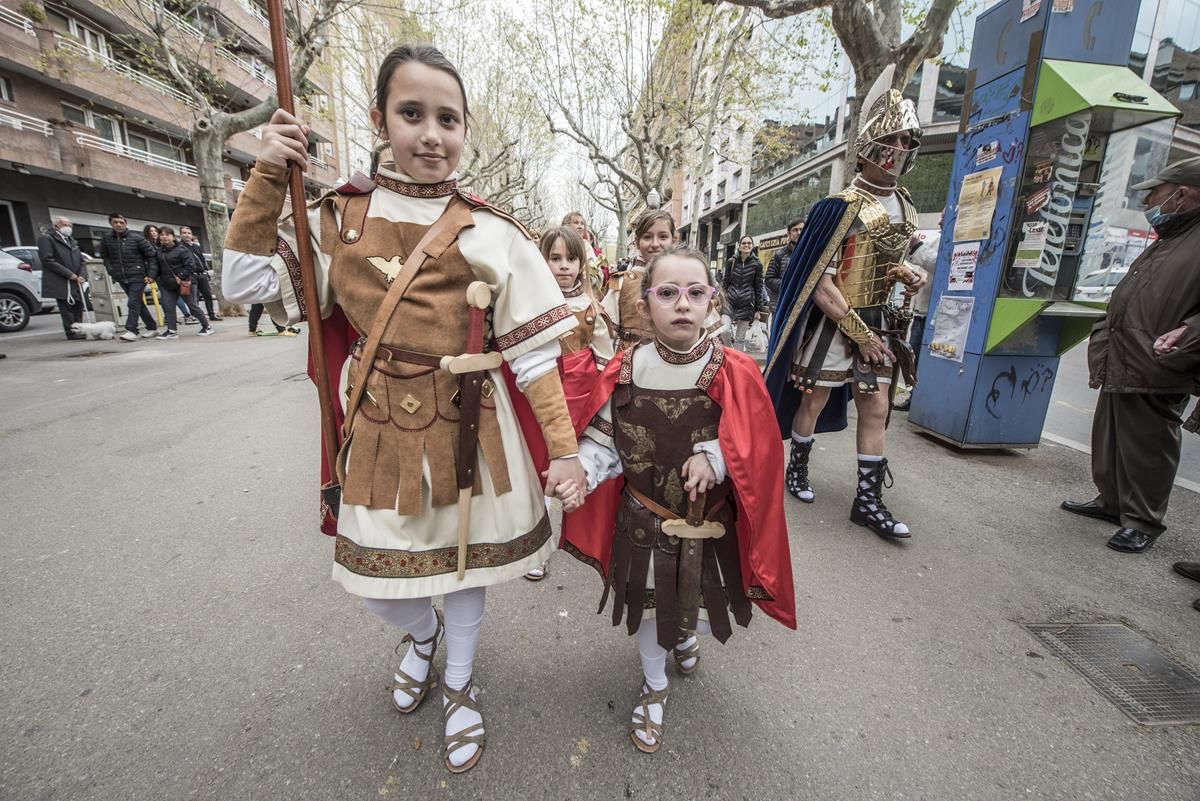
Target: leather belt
x=400, y=355
x=667, y=514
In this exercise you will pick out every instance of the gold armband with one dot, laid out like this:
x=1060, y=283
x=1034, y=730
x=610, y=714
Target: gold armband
x=545, y=396
x=254, y=228
x=854, y=328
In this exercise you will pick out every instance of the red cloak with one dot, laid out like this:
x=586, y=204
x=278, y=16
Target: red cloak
x=754, y=461
x=339, y=336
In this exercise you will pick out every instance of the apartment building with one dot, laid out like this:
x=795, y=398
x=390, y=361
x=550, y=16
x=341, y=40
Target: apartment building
x=88, y=125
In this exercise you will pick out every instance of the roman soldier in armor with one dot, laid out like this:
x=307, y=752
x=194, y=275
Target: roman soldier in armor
x=838, y=330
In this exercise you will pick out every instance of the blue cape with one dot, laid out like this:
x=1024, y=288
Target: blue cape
x=829, y=218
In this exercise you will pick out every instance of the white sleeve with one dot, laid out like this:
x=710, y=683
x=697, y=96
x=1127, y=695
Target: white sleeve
x=246, y=278
x=712, y=449
x=533, y=364
x=600, y=462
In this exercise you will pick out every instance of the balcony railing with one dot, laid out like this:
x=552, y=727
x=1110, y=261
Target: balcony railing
x=23, y=122
x=237, y=184
x=7, y=15
x=250, y=69
x=318, y=162
x=78, y=48
x=143, y=156
x=182, y=25
x=253, y=11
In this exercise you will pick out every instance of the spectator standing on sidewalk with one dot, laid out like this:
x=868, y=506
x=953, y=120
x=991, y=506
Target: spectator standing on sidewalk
x=779, y=262
x=127, y=257
x=745, y=292
x=1144, y=356
x=176, y=264
x=202, y=280
x=63, y=273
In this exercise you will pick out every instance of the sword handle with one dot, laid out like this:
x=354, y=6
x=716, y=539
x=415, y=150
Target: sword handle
x=695, y=510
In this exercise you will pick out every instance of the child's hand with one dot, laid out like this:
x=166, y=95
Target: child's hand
x=699, y=475
x=284, y=139
x=571, y=496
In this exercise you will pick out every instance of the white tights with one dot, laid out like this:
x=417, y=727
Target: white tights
x=654, y=665
x=463, y=615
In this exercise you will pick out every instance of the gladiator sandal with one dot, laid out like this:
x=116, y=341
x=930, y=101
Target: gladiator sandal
x=683, y=654
x=797, y=471
x=868, y=509
x=406, y=683
x=644, y=723
x=471, y=735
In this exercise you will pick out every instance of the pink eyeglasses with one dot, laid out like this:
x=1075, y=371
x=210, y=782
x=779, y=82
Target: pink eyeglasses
x=667, y=294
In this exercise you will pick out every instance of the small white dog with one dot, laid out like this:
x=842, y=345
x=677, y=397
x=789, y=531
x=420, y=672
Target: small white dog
x=104, y=330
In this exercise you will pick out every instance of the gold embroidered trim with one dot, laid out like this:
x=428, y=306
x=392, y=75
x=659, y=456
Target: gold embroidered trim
x=444, y=189
x=390, y=563
x=625, y=376
x=293, y=267
x=756, y=593
x=574, y=292
x=672, y=357
x=714, y=365
x=818, y=269
x=533, y=327
x=603, y=426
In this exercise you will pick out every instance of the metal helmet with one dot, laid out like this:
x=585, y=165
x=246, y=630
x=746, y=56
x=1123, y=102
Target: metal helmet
x=886, y=112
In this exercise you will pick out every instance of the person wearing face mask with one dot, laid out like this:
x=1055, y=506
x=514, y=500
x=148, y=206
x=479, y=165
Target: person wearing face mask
x=63, y=273
x=836, y=334
x=1144, y=357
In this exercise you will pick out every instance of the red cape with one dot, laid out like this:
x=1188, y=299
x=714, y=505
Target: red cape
x=754, y=461
x=339, y=336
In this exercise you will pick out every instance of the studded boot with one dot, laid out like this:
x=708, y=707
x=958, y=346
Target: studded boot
x=868, y=509
x=796, y=476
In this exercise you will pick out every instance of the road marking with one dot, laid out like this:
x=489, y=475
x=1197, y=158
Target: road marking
x=1079, y=446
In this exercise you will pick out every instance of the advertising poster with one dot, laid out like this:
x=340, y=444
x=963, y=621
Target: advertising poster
x=986, y=153
x=977, y=205
x=963, y=259
x=951, y=323
x=1033, y=242
x=1029, y=8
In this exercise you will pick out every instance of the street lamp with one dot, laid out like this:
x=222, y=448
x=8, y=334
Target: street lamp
x=653, y=199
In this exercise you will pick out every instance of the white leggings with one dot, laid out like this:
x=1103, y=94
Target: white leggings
x=654, y=656
x=463, y=614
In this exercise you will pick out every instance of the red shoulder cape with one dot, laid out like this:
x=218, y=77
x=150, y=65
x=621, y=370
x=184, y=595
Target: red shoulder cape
x=339, y=336
x=754, y=460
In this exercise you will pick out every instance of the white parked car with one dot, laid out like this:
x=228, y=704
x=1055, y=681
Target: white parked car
x=20, y=293
x=1098, y=286
x=29, y=255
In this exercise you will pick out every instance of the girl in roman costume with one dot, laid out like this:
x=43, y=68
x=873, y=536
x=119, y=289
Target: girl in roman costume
x=685, y=516
x=587, y=348
x=431, y=458
x=596, y=267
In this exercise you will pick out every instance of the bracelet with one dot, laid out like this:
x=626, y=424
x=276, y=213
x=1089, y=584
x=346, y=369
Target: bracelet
x=854, y=328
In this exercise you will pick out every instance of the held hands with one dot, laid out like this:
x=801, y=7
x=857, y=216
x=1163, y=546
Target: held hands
x=565, y=480
x=1169, y=341
x=699, y=475
x=284, y=139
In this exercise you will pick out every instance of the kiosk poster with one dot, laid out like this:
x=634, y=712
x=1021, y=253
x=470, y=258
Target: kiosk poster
x=977, y=205
x=963, y=259
x=1033, y=242
x=950, y=326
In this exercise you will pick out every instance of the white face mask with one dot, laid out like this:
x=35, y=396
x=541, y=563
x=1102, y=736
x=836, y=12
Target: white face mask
x=66, y=230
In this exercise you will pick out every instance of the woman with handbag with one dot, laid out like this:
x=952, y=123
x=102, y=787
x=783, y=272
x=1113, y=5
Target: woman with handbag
x=174, y=269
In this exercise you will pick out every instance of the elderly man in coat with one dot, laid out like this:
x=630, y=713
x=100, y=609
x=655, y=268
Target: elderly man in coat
x=1144, y=356
x=63, y=273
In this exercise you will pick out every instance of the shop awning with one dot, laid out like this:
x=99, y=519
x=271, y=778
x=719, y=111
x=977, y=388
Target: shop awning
x=1120, y=98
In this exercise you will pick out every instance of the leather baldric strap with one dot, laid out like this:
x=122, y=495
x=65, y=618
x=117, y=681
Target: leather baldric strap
x=665, y=513
x=437, y=238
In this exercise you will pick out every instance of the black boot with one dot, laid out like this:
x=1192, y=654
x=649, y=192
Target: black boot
x=796, y=476
x=868, y=509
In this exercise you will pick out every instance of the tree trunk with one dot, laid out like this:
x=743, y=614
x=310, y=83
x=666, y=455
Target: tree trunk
x=208, y=143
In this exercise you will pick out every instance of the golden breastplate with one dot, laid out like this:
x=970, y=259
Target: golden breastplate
x=871, y=254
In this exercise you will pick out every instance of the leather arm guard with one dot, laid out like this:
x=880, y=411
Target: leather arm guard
x=255, y=224
x=545, y=396
x=854, y=328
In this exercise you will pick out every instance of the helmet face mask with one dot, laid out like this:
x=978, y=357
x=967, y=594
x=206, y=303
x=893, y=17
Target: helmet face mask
x=878, y=141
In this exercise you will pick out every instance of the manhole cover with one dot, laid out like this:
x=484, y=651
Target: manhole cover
x=1146, y=684
x=88, y=354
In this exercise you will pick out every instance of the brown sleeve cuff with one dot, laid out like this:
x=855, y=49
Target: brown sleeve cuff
x=545, y=396
x=254, y=228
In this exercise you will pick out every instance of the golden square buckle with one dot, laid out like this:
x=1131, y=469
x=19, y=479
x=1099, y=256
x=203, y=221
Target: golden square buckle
x=410, y=404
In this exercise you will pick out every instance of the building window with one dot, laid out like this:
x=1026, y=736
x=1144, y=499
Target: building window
x=708, y=199
x=6, y=92
x=92, y=39
x=107, y=127
x=74, y=114
x=737, y=181
x=721, y=192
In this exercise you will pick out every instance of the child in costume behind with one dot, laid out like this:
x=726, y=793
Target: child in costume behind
x=685, y=520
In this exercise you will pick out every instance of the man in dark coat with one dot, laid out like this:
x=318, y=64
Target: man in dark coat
x=1144, y=356
x=203, y=286
x=127, y=256
x=63, y=273
x=779, y=262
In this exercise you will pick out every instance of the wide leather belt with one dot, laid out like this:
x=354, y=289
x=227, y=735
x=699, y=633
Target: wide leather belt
x=667, y=514
x=400, y=355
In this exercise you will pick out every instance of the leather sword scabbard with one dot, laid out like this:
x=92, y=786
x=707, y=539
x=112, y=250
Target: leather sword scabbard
x=470, y=398
x=690, y=567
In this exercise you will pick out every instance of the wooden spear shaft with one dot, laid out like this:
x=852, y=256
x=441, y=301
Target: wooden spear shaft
x=304, y=251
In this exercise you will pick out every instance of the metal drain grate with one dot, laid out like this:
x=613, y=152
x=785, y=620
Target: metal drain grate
x=1147, y=685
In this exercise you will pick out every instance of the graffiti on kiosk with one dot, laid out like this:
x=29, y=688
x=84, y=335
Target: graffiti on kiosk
x=1037, y=380
x=1057, y=211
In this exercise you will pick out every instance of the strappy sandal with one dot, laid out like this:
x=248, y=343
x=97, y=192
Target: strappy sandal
x=406, y=683
x=538, y=573
x=471, y=735
x=692, y=651
x=644, y=723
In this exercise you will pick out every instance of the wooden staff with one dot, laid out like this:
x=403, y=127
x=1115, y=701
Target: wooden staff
x=304, y=251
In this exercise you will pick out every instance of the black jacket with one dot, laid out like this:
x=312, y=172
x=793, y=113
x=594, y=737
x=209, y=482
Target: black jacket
x=745, y=293
x=775, y=271
x=127, y=256
x=180, y=262
x=61, y=260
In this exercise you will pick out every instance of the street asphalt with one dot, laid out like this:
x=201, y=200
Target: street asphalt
x=169, y=629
